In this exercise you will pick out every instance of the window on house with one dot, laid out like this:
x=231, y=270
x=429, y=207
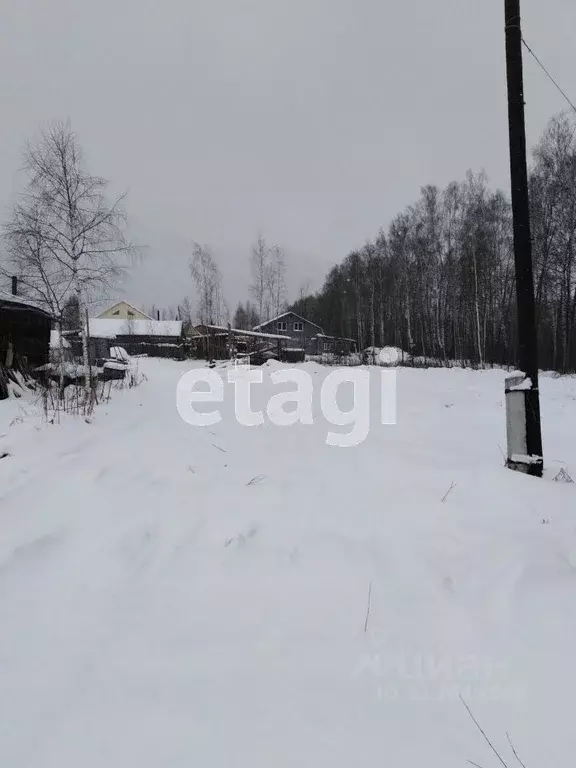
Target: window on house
x=298, y=326
x=117, y=312
x=282, y=325
x=130, y=314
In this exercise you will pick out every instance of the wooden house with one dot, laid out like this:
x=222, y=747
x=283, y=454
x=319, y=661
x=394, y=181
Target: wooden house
x=306, y=337
x=24, y=335
x=300, y=330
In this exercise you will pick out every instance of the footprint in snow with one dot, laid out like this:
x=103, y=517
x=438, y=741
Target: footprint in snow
x=448, y=584
x=257, y=480
x=294, y=556
x=138, y=547
x=242, y=539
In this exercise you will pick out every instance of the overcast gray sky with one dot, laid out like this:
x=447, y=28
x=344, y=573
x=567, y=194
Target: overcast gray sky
x=313, y=121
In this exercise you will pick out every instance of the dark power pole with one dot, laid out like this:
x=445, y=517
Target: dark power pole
x=526, y=306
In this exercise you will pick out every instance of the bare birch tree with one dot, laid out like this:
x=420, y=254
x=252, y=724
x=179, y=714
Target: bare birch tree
x=208, y=281
x=276, y=280
x=260, y=267
x=185, y=313
x=40, y=277
x=74, y=238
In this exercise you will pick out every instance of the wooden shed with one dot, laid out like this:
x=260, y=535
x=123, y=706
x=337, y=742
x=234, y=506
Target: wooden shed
x=220, y=342
x=155, y=338
x=24, y=335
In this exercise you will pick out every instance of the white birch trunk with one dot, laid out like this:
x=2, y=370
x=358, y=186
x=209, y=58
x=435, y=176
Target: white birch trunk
x=478, y=332
x=84, y=337
x=60, y=360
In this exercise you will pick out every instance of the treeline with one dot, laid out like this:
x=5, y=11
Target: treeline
x=440, y=283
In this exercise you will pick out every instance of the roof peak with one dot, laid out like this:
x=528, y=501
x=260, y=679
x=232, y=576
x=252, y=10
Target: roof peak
x=128, y=304
x=288, y=312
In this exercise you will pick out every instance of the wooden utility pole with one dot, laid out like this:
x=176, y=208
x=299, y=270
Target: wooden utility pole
x=526, y=307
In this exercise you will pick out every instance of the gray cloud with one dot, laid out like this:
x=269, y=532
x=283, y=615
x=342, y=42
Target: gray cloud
x=313, y=121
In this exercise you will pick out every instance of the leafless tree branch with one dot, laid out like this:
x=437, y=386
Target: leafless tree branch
x=477, y=724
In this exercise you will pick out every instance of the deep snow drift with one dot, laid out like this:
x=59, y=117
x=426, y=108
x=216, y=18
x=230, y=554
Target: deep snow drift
x=182, y=596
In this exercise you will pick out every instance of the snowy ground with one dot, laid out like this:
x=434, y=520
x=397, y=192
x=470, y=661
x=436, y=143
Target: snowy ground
x=180, y=596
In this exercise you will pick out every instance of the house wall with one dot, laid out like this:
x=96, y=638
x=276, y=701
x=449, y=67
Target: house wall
x=24, y=337
x=302, y=339
x=153, y=346
x=98, y=348
x=333, y=345
x=123, y=311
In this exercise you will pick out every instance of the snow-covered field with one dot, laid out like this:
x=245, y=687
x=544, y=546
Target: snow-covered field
x=180, y=596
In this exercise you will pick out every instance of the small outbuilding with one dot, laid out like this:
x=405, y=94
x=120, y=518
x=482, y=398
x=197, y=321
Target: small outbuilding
x=24, y=336
x=156, y=338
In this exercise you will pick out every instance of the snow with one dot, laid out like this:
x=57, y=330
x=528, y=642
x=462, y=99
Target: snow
x=119, y=353
x=386, y=355
x=524, y=385
x=334, y=338
x=391, y=356
x=19, y=300
x=114, y=365
x=106, y=328
x=70, y=369
x=55, y=342
x=179, y=596
x=522, y=458
x=241, y=332
x=516, y=381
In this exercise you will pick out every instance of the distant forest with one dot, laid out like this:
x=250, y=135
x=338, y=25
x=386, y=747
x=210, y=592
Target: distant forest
x=440, y=282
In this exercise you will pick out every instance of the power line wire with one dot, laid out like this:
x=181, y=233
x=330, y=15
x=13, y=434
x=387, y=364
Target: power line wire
x=548, y=74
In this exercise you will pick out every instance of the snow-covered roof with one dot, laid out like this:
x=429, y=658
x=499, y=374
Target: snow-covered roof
x=119, y=353
x=108, y=328
x=240, y=332
x=128, y=304
x=284, y=314
x=334, y=338
x=28, y=303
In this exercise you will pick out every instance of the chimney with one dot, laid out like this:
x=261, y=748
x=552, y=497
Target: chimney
x=157, y=314
x=14, y=285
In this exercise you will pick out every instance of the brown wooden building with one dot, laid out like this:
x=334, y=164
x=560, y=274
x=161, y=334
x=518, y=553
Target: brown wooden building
x=220, y=342
x=24, y=336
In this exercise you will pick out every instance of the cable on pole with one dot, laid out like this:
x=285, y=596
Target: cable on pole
x=549, y=75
